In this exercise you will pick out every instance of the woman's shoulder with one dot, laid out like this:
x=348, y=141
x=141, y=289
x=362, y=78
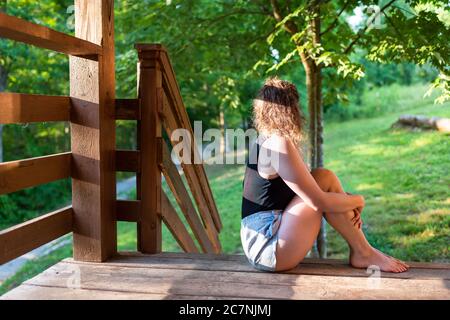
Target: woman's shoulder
x=276, y=142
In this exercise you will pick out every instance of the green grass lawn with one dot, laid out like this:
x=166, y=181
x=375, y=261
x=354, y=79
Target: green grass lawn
x=404, y=176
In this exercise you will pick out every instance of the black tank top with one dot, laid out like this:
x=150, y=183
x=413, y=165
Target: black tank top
x=262, y=194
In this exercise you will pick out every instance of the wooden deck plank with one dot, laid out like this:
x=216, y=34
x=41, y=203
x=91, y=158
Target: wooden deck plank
x=307, y=267
x=32, y=292
x=168, y=275
x=240, y=257
x=237, y=284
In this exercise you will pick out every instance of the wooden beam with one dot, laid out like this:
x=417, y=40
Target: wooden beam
x=85, y=113
x=29, y=235
x=176, y=184
x=170, y=124
x=25, y=108
x=93, y=135
x=21, y=174
x=128, y=210
x=128, y=161
x=128, y=109
x=149, y=144
x=176, y=226
x=171, y=86
x=30, y=33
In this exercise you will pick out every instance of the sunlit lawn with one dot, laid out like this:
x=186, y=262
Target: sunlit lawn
x=404, y=176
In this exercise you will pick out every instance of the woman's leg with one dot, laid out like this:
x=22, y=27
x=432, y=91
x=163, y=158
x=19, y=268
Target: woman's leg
x=298, y=230
x=362, y=254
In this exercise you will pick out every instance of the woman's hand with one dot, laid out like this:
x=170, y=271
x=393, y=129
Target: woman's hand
x=357, y=220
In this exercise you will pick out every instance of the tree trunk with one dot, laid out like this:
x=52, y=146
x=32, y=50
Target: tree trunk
x=314, y=92
x=322, y=237
x=315, y=109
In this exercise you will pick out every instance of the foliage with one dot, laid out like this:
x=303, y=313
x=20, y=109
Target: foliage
x=393, y=31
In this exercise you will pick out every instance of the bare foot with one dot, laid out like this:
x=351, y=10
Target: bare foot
x=377, y=258
x=399, y=261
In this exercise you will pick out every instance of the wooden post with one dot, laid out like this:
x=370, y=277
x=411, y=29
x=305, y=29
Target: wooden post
x=92, y=84
x=150, y=146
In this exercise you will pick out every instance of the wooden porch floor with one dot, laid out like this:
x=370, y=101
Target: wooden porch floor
x=207, y=276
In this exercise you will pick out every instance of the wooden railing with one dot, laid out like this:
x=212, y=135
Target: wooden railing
x=92, y=111
x=160, y=107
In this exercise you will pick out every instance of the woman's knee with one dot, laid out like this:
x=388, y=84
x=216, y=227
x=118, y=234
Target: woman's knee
x=322, y=172
x=324, y=177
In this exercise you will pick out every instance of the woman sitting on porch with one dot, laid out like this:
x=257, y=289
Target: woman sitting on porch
x=284, y=202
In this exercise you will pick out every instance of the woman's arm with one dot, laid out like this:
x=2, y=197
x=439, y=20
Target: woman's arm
x=289, y=165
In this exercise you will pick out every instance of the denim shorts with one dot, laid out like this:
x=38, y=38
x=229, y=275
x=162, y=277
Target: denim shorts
x=259, y=238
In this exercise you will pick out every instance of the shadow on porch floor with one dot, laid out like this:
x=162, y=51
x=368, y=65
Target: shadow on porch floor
x=209, y=276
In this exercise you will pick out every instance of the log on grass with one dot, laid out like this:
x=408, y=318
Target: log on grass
x=423, y=122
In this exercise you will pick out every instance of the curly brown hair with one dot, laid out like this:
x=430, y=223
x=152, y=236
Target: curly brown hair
x=276, y=110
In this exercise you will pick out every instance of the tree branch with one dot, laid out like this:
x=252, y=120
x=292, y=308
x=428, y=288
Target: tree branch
x=336, y=20
x=288, y=25
x=292, y=28
x=360, y=34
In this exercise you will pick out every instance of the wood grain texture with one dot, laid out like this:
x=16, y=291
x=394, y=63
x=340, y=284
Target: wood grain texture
x=176, y=226
x=128, y=210
x=27, y=32
x=183, y=199
x=25, y=108
x=22, y=238
x=149, y=145
x=128, y=160
x=171, y=123
x=32, y=292
x=235, y=262
x=171, y=86
x=93, y=144
x=240, y=257
x=21, y=174
x=169, y=277
x=128, y=109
